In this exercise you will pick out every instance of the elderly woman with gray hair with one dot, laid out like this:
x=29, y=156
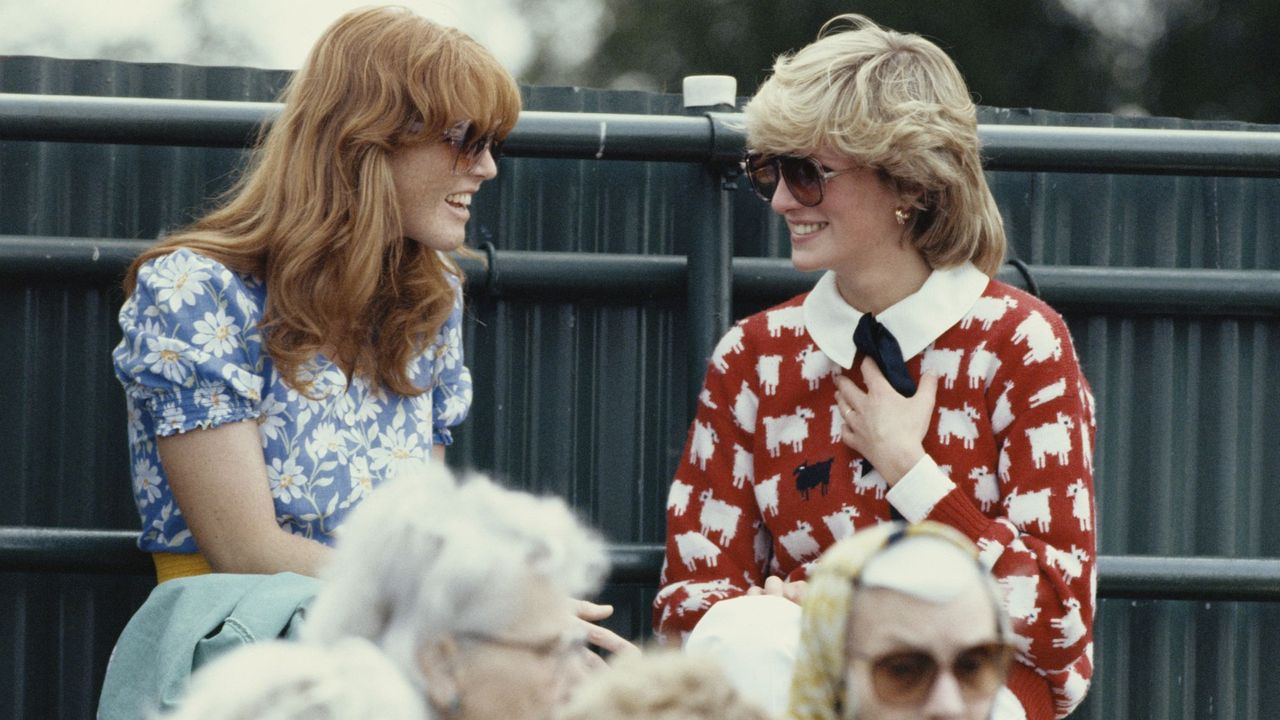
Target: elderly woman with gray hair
x=466, y=587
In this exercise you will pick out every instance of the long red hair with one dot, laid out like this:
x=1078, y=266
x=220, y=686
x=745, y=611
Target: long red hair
x=315, y=215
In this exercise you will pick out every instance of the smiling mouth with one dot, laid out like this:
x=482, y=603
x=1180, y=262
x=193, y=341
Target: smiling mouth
x=805, y=228
x=459, y=200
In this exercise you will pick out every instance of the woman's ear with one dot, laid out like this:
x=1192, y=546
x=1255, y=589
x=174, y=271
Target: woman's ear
x=438, y=663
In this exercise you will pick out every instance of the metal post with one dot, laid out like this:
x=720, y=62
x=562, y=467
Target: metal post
x=711, y=250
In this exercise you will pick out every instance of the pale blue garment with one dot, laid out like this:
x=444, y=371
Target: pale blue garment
x=189, y=622
x=192, y=357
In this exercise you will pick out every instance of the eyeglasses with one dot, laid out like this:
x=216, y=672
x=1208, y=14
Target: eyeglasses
x=906, y=678
x=468, y=145
x=557, y=648
x=806, y=177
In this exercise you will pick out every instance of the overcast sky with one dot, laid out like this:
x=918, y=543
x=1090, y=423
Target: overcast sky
x=258, y=33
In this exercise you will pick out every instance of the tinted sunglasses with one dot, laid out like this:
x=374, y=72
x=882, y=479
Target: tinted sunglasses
x=468, y=145
x=806, y=178
x=905, y=678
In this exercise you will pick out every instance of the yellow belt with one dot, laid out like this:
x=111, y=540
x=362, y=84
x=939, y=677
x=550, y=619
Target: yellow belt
x=170, y=566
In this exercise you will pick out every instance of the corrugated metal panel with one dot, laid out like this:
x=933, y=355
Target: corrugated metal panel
x=588, y=399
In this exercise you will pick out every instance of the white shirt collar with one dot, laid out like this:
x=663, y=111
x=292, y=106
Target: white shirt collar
x=915, y=321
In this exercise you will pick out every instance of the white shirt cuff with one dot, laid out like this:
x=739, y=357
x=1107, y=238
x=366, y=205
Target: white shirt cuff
x=919, y=490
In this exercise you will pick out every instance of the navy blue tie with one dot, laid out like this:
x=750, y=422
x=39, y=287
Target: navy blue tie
x=875, y=341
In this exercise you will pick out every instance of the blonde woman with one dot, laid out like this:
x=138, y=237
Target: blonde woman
x=908, y=383
x=288, y=351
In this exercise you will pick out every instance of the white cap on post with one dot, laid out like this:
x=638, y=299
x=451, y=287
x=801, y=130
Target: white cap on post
x=710, y=90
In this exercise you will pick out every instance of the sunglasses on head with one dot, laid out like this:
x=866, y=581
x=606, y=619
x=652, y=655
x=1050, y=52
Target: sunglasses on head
x=806, y=178
x=468, y=145
x=905, y=678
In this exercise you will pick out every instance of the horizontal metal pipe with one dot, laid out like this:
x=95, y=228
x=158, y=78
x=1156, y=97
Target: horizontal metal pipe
x=1147, y=151
x=132, y=121
x=567, y=276
x=64, y=550
x=719, y=138
x=1188, y=578
x=634, y=278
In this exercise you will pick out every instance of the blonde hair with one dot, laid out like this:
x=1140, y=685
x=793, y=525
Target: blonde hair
x=660, y=685
x=895, y=102
x=315, y=214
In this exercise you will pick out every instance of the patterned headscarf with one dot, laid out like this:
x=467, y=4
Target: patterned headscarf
x=817, y=682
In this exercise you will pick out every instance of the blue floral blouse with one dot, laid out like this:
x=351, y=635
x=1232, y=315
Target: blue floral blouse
x=192, y=357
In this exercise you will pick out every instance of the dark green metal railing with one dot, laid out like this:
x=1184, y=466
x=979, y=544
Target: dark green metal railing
x=707, y=278
x=1135, y=577
x=716, y=137
x=631, y=278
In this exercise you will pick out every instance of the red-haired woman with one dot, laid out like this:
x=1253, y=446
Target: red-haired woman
x=291, y=349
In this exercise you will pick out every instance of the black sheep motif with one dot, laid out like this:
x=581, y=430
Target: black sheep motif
x=809, y=477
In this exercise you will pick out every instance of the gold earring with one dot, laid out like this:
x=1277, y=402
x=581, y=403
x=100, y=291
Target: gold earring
x=901, y=215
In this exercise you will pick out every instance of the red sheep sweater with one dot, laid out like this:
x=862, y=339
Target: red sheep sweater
x=765, y=484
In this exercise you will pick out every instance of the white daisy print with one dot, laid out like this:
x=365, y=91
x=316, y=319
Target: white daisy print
x=286, y=479
x=179, y=279
x=165, y=356
x=216, y=333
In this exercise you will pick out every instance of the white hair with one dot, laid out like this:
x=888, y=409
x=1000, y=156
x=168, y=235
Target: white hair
x=425, y=558
x=932, y=569
x=278, y=680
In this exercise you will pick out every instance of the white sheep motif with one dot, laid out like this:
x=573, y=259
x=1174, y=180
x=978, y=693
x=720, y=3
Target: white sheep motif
x=840, y=523
x=767, y=495
x=1026, y=508
x=945, y=363
x=720, y=517
x=1020, y=596
x=1070, y=626
x=1072, y=692
x=1002, y=415
x=799, y=543
x=761, y=544
x=744, y=408
x=837, y=423
x=960, y=424
x=790, y=430
x=767, y=372
x=872, y=481
x=699, y=596
x=1081, y=508
x=988, y=310
x=693, y=547
x=788, y=318
x=704, y=397
x=678, y=497
x=815, y=365
x=1069, y=563
x=986, y=490
x=744, y=470
x=1052, y=391
x=729, y=344
x=1052, y=438
x=983, y=365
x=703, y=445
x=1041, y=342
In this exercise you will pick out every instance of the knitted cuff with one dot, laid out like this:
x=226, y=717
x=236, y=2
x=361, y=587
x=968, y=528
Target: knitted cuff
x=1032, y=691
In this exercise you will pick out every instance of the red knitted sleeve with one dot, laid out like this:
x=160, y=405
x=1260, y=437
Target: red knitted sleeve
x=715, y=534
x=1042, y=546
